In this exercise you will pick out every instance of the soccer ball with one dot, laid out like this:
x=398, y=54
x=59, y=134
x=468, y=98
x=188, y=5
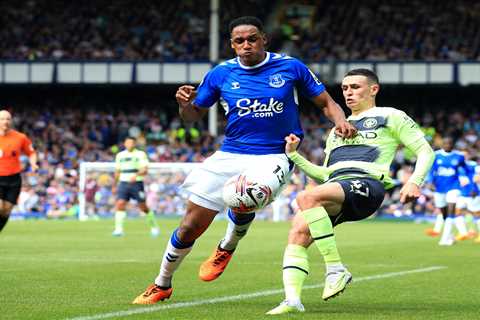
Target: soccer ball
x=249, y=191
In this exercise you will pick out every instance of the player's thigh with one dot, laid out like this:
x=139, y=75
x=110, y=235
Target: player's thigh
x=137, y=191
x=330, y=196
x=440, y=200
x=123, y=192
x=363, y=196
x=452, y=196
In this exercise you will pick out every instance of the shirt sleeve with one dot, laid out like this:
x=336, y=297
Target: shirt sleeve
x=143, y=159
x=405, y=129
x=208, y=92
x=411, y=136
x=117, y=162
x=308, y=83
x=317, y=173
x=27, y=147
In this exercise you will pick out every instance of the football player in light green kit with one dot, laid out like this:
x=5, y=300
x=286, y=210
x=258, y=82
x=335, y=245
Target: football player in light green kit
x=353, y=182
x=131, y=166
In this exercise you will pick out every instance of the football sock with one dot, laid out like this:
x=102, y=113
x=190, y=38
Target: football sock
x=321, y=229
x=237, y=228
x=119, y=220
x=172, y=258
x=447, y=230
x=438, y=223
x=151, y=220
x=295, y=271
x=461, y=225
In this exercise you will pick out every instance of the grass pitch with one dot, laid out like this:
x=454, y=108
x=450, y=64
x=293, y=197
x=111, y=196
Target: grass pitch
x=77, y=270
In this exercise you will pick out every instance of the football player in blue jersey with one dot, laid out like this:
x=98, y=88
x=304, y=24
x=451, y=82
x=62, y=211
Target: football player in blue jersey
x=445, y=179
x=467, y=202
x=259, y=92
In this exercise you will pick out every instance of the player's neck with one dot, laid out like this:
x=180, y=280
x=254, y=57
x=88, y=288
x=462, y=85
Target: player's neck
x=4, y=132
x=253, y=63
x=362, y=109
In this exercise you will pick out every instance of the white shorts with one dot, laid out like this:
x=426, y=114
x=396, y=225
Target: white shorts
x=205, y=183
x=474, y=205
x=463, y=202
x=441, y=199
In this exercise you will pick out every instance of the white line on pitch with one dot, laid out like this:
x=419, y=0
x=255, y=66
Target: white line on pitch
x=178, y=305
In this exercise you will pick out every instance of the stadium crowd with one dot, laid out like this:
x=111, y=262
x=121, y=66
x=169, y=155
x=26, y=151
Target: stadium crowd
x=160, y=30
x=67, y=137
x=179, y=30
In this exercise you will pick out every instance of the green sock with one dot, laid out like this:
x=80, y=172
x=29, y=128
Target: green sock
x=151, y=220
x=119, y=219
x=295, y=271
x=321, y=230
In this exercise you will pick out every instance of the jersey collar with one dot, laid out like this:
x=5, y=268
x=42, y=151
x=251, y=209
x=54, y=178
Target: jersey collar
x=267, y=57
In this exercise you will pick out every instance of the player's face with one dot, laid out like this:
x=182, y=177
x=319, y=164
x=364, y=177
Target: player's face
x=358, y=92
x=447, y=144
x=5, y=120
x=249, y=44
x=129, y=144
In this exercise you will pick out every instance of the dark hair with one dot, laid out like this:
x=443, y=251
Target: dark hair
x=371, y=76
x=246, y=20
x=131, y=138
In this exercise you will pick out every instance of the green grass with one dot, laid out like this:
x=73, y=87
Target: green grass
x=67, y=269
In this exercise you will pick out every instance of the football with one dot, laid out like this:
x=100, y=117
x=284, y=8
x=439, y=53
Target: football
x=249, y=191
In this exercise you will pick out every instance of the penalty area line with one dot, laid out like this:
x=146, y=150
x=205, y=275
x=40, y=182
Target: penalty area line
x=143, y=310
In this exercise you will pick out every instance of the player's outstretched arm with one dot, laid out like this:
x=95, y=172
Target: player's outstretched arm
x=333, y=111
x=315, y=172
x=425, y=157
x=187, y=110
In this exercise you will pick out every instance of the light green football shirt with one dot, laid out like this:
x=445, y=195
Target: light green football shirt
x=128, y=163
x=371, y=152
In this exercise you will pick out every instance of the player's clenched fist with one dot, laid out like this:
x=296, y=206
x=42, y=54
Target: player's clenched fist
x=185, y=95
x=292, y=143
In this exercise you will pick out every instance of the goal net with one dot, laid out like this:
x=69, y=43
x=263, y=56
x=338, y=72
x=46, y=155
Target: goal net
x=163, y=191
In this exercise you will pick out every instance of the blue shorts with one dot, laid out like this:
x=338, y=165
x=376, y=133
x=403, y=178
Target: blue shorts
x=363, y=196
x=129, y=190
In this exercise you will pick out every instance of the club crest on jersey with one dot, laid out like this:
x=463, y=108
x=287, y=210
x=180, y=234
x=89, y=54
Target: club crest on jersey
x=235, y=85
x=276, y=81
x=370, y=123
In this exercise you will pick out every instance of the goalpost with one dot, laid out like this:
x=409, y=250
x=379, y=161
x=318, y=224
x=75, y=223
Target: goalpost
x=163, y=190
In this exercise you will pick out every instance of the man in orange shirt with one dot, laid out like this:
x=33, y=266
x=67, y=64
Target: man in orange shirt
x=12, y=144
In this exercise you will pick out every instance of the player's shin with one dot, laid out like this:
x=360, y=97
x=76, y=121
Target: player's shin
x=172, y=258
x=447, y=234
x=461, y=225
x=295, y=271
x=238, y=225
x=321, y=229
x=120, y=216
x=438, y=223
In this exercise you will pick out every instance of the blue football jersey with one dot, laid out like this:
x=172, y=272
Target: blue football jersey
x=260, y=102
x=446, y=170
x=471, y=170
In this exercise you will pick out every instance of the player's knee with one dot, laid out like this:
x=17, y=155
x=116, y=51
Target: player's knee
x=120, y=205
x=307, y=200
x=4, y=212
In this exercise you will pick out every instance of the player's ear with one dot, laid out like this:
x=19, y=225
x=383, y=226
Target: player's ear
x=265, y=39
x=374, y=88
